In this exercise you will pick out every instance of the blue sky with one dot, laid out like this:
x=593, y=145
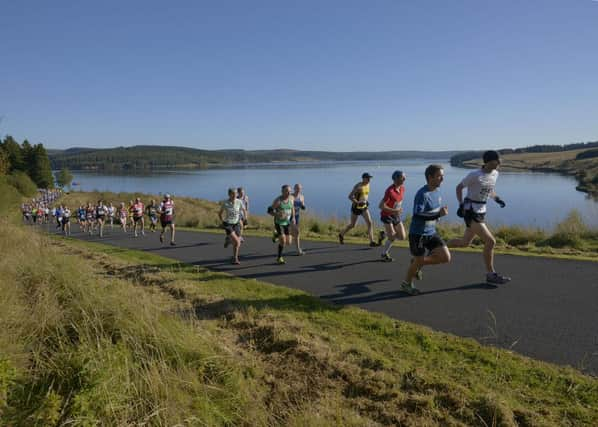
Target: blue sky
x=327, y=75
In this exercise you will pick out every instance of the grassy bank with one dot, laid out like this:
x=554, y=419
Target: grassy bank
x=571, y=238
x=95, y=334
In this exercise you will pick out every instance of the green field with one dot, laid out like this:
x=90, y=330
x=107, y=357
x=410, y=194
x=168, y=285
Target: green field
x=98, y=335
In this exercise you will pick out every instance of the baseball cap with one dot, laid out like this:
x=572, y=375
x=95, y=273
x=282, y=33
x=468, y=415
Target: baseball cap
x=491, y=155
x=397, y=174
x=367, y=175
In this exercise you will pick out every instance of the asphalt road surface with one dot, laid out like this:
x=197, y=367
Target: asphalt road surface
x=549, y=311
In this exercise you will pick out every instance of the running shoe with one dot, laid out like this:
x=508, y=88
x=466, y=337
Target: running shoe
x=301, y=252
x=280, y=260
x=341, y=239
x=497, y=279
x=386, y=258
x=381, y=237
x=235, y=262
x=172, y=244
x=410, y=289
x=374, y=244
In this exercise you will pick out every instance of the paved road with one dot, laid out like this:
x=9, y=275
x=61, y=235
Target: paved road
x=549, y=311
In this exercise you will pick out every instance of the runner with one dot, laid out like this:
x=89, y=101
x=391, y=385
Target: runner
x=101, y=212
x=299, y=205
x=81, y=216
x=26, y=210
x=480, y=187
x=152, y=213
x=58, y=216
x=66, y=221
x=390, y=213
x=167, y=218
x=359, y=207
x=111, y=215
x=422, y=232
x=138, y=209
x=122, y=215
x=242, y=196
x=284, y=215
x=90, y=218
x=231, y=212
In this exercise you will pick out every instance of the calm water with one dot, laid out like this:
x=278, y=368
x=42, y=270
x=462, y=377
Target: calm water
x=533, y=199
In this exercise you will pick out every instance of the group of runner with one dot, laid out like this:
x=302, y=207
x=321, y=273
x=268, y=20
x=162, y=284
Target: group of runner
x=425, y=244
x=92, y=218
x=38, y=211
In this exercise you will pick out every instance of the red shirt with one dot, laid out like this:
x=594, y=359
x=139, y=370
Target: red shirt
x=392, y=199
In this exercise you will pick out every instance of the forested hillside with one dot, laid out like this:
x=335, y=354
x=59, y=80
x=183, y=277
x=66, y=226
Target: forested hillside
x=156, y=157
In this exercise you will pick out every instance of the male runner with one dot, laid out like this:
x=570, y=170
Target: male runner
x=167, y=218
x=244, y=198
x=390, y=213
x=152, y=213
x=101, y=212
x=66, y=221
x=230, y=214
x=138, y=210
x=299, y=205
x=81, y=215
x=284, y=215
x=359, y=207
x=111, y=214
x=427, y=208
x=480, y=187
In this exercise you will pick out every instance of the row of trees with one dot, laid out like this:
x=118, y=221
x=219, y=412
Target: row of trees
x=31, y=160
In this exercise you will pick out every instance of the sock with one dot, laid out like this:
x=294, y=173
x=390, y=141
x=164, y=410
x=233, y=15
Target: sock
x=387, y=246
x=280, y=247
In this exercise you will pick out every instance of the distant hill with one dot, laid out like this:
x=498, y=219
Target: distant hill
x=149, y=157
x=579, y=160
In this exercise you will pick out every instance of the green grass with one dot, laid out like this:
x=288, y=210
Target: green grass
x=93, y=334
x=311, y=363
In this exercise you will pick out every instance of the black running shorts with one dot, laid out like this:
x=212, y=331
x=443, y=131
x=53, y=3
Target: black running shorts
x=419, y=244
x=391, y=219
x=469, y=215
x=282, y=229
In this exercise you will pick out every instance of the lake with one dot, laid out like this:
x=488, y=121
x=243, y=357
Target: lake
x=533, y=199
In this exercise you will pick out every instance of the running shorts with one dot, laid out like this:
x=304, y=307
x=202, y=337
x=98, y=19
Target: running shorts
x=282, y=229
x=356, y=210
x=232, y=228
x=137, y=218
x=166, y=220
x=419, y=243
x=100, y=217
x=469, y=215
x=391, y=219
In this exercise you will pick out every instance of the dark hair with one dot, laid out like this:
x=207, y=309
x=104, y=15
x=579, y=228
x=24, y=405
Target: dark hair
x=432, y=170
x=284, y=186
x=491, y=155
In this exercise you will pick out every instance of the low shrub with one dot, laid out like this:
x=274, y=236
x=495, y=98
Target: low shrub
x=22, y=182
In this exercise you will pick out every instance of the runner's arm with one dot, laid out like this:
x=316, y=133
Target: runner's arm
x=459, y=191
